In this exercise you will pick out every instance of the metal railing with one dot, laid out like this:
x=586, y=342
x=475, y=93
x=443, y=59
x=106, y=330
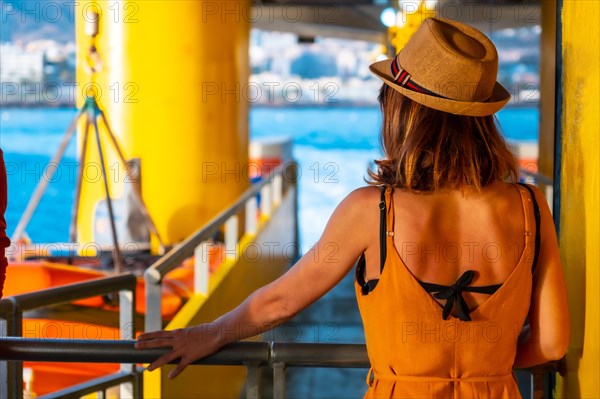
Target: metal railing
x=271, y=190
x=252, y=355
x=541, y=181
x=11, y=325
x=535, y=178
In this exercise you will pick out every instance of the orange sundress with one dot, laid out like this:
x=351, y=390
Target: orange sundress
x=415, y=353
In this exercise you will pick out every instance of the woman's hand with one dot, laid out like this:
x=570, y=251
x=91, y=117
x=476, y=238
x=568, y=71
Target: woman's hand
x=189, y=344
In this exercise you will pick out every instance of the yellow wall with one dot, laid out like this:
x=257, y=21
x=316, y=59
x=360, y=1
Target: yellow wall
x=163, y=62
x=547, y=90
x=580, y=194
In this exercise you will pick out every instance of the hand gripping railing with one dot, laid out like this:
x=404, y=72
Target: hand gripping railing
x=11, y=324
x=270, y=188
x=253, y=355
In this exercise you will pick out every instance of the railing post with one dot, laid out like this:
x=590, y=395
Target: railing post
x=127, y=331
x=265, y=200
x=138, y=384
x=127, y=314
x=277, y=189
x=253, y=380
x=231, y=237
x=153, y=317
x=4, y=374
x=201, y=272
x=251, y=222
x=279, y=380
x=16, y=368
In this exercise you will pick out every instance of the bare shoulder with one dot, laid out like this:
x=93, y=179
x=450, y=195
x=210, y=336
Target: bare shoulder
x=360, y=206
x=353, y=220
x=362, y=199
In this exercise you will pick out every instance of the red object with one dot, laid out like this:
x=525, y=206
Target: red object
x=262, y=167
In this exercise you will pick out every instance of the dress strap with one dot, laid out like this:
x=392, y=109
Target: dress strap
x=382, y=227
x=536, y=214
x=390, y=212
x=386, y=223
x=368, y=286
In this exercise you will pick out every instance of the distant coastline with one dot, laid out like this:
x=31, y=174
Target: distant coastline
x=339, y=104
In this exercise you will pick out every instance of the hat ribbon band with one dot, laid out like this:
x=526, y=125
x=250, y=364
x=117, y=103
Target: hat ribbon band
x=404, y=79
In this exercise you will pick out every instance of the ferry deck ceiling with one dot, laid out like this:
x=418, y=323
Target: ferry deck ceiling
x=360, y=19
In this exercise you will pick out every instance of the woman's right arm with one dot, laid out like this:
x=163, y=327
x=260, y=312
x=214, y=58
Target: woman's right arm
x=312, y=276
x=548, y=313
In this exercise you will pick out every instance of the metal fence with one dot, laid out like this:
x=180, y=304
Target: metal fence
x=11, y=324
x=252, y=355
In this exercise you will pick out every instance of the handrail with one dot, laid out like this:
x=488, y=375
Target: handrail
x=237, y=353
x=539, y=177
x=71, y=292
x=177, y=254
x=319, y=355
x=253, y=355
x=11, y=318
x=122, y=351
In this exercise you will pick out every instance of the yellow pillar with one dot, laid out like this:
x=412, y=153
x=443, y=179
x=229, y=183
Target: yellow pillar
x=547, y=91
x=410, y=17
x=580, y=193
x=172, y=85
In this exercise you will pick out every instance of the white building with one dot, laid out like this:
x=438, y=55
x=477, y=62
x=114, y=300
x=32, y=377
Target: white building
x=19, y=65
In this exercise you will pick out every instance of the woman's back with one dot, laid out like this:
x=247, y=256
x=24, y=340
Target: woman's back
x=442, y=234
x=414, y=350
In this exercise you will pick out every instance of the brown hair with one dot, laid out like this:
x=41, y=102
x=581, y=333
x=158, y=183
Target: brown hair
x=426, y=149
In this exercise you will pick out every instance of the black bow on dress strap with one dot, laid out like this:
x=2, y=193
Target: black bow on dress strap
x=453, y=294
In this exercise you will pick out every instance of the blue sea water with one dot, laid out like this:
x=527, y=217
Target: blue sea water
x=334, y=147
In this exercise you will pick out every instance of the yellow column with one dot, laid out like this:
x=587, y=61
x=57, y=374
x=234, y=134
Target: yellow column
x=580, y=193
x=547, y=90
x=410, y=17
x=172, y=85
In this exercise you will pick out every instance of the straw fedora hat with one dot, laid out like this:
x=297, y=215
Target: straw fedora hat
x=448, y=66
